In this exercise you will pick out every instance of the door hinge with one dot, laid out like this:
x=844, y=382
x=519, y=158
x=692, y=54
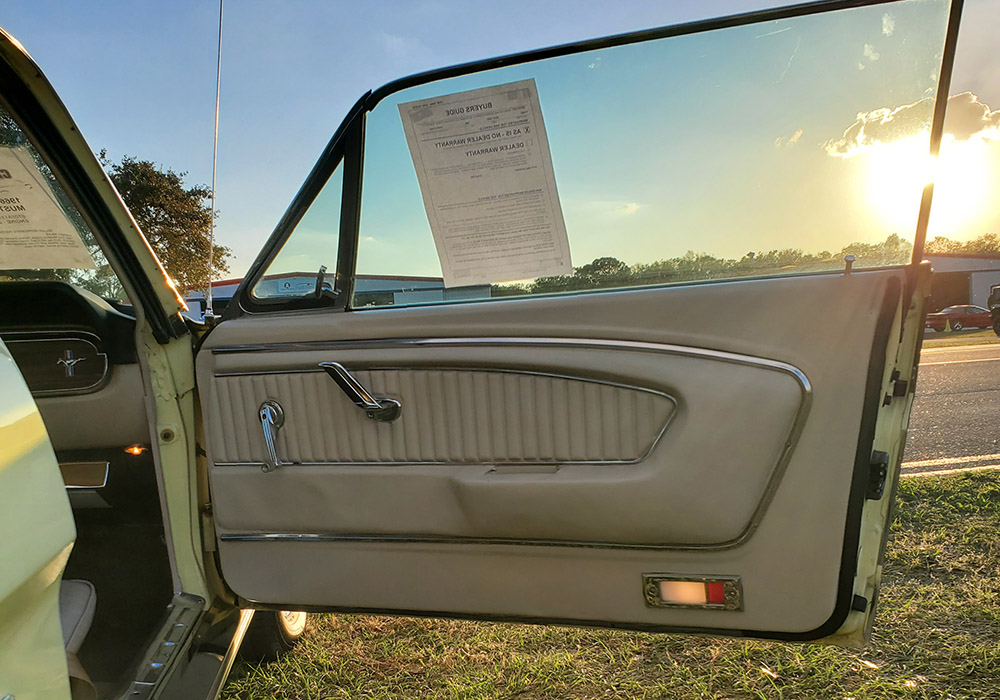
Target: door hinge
x=878, y=469
x=899, y=387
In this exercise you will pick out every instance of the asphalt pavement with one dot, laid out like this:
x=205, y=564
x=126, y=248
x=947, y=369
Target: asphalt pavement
x=955, y=423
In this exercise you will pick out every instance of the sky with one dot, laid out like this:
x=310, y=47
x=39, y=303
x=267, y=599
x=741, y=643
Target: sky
x=139, y=78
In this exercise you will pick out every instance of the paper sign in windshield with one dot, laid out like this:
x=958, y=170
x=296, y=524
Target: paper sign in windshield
x=485, y=172
x=34, y=231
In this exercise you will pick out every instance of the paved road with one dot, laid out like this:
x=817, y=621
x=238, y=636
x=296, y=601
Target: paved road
x=956, y=414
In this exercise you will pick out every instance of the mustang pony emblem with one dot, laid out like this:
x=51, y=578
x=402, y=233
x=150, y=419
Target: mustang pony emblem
x=69, y=363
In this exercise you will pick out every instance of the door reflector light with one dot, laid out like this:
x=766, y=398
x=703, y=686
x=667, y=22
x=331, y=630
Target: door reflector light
x=702, y=592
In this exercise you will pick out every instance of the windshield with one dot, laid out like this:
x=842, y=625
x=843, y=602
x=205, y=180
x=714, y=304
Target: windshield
x=43, y=237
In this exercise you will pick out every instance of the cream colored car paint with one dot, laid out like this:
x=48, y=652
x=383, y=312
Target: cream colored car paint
x=890, y=435
x=36, y=536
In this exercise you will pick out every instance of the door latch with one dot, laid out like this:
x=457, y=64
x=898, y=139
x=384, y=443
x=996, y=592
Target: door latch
x=380, y=409
x=878, y=470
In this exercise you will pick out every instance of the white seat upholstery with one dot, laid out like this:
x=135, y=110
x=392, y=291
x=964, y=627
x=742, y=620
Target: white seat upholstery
x=77, y=601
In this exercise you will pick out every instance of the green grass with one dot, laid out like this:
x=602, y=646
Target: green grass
x=934, y=339
x=937, y=635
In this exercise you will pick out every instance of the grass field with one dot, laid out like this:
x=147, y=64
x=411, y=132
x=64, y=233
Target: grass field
x=974, y=337
x=937, y=635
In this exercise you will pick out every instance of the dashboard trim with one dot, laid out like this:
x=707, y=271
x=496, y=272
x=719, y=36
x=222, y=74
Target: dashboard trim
x=91, y=339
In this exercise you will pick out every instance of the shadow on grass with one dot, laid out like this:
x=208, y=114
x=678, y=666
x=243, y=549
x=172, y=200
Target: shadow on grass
x=936, y=636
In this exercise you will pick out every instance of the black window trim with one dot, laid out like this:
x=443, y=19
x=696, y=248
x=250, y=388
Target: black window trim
x=347, y=143
x=346, y=146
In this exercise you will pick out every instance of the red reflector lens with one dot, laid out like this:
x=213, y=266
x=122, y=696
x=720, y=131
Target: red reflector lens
x=716, y=593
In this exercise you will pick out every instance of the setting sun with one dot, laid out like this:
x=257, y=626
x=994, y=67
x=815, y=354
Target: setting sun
x=896, y=173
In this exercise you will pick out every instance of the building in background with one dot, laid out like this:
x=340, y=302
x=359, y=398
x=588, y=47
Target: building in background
x=961, y=278
x=369, y=290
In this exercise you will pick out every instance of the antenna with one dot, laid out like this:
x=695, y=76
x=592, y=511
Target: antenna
x=209, y=309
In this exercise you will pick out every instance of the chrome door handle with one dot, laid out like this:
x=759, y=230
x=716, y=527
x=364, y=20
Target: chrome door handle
x=272, y=417
x=381, y=409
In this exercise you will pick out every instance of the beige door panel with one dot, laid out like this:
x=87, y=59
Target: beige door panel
x=82, y=421
x=451, y=513
x=610, y=443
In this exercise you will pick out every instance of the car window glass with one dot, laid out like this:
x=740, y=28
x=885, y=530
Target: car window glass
x=312, y=246
x=43, y=237
x=753, y=150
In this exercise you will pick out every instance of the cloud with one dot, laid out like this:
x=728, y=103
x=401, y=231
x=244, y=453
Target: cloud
x=628, y=208
x=888, y=24
x=789, y=141
x=870, y=53
x=967, y=118
x=596, y=63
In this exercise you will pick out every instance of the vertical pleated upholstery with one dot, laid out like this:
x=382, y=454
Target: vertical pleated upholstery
x=448, y=415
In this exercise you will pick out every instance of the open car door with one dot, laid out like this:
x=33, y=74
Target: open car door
x=497, y=366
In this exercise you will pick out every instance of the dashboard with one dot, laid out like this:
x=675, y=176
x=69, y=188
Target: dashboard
x=77, y=354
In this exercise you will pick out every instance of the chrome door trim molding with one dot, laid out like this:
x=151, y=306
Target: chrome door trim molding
x=486, y=370
x=516, y=341
x=330, y=538
x=805, y=388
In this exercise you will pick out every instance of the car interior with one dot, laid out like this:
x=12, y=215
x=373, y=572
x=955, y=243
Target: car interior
x=707, y=457
x=77, y=353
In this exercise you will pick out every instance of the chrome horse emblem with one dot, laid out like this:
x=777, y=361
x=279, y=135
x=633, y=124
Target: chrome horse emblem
x=69, y=363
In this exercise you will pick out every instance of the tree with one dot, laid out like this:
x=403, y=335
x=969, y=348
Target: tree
x=987, y=244
x=175, y=219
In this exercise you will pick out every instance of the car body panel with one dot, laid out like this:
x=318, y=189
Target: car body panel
x=36, y=536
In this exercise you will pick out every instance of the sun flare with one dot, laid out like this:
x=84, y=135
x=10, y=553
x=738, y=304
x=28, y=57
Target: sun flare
x=897, y=172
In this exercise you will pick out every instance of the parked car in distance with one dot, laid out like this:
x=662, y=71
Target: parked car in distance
x=993, y=302
x=958, y=317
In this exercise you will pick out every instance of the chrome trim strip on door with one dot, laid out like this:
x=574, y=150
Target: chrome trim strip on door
x=805, y=388
x=485, y=370
x=637, y=345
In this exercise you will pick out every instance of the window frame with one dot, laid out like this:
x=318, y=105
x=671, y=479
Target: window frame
x=345, y=148
x=347, y=144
